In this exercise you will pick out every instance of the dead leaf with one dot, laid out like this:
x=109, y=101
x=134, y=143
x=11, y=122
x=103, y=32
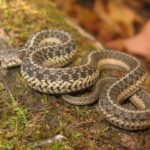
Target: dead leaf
x=118, y=17
x=87, y=19
x=124, y=16
x=102, y=12
x=139, y=44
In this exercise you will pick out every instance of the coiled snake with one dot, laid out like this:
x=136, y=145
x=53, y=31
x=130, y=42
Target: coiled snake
x=47, y=51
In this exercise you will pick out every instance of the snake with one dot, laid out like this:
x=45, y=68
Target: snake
x=45, y=60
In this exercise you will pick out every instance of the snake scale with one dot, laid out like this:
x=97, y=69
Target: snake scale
x=42, y=61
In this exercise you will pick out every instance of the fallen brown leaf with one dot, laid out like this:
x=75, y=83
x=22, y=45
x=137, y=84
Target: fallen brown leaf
x=139, y=44
x=124, y=17
x=105, y=22
x=87, y=19
x=118, y=17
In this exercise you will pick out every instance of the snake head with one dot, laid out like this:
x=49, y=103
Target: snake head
x=10, y=59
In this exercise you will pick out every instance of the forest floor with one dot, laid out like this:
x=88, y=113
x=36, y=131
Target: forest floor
x=31, y=120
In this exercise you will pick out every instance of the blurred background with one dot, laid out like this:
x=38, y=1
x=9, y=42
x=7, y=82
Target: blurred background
x=123, y=25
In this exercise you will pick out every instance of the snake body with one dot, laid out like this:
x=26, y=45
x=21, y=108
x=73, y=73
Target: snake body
x=47, y=51
x=53, y=79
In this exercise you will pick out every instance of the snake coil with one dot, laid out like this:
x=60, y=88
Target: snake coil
x=47, y=51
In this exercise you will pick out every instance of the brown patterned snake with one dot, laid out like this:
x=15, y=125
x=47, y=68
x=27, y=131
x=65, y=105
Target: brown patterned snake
x=46, y=52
